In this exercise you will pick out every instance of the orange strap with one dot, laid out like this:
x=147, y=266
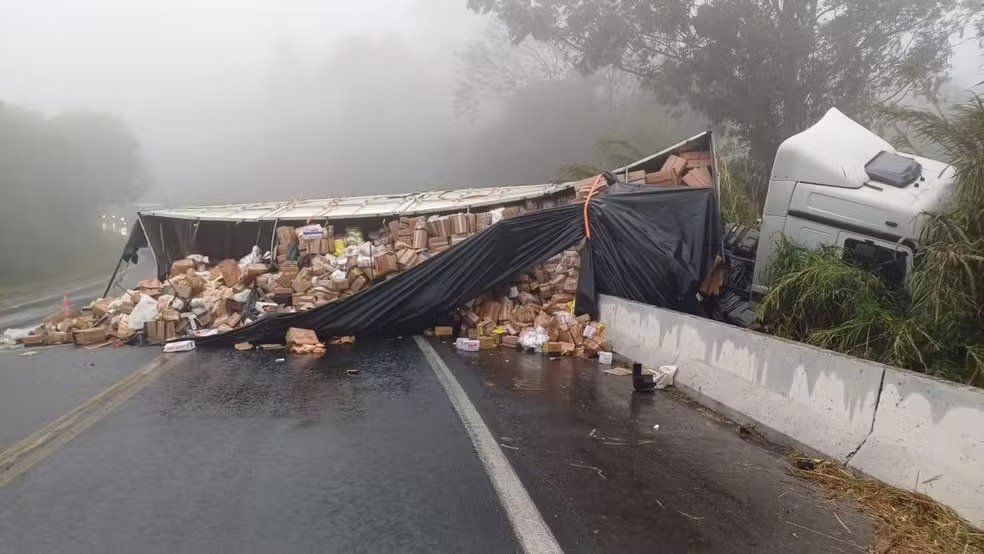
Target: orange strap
x=594, y=186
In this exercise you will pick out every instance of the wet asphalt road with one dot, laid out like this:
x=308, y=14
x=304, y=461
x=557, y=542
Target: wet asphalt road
x=235, y=451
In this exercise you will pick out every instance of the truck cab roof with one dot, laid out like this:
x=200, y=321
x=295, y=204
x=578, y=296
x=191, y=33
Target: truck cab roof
x=838, y=153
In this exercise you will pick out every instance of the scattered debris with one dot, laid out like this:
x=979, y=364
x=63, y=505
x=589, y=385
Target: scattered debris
x=600, y=474
x=280, y=360
x=243, y=346
x=695, y=518
x=620, y=371
x=28, y=353
x=510, y=447
x=905, y=522
x=270, y=347
x=352, y=371
x=180, y=346
x=656, y=427
x=663, y=376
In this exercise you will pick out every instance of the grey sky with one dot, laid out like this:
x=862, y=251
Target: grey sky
x=265, y=99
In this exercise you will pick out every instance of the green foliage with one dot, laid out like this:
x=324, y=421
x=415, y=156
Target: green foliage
x=765, y=69
x=57, y=174
x=737, y=199
x=935, y=323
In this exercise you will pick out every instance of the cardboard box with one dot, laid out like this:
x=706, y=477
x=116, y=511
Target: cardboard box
x=33, y=340
x=509, y=341
x=100, y=308
x=660, y=178
x=552, y=347
x=468, y=345
x=57, y=337
x=181, y=267
x=230, y=272
x=443, y=331
x=487, y=343
x=698, y=178
x=296, y=335
x=635, y=177
x=701, y=158
x=86, y=337
x=253, y=271
x=420, y=239
x=385, y=263
x=301, y=284
x=286, y=235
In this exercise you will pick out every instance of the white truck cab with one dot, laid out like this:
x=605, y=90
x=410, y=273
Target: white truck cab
x=838, y=183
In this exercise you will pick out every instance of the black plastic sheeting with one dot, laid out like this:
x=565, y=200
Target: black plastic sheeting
x=653, y=246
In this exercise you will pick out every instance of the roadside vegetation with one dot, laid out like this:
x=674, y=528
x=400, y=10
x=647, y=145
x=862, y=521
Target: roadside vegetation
x=934, y=322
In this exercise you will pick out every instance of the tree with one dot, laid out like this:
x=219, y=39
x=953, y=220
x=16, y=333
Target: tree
x=57, y=174
x=765, y=68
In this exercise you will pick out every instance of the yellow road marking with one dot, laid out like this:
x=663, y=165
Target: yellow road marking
x=25, y=454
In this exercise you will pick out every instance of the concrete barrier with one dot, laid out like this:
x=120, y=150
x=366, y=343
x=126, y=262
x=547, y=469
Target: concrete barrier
x=929, y=437
x=900, y=427
x=809, y=397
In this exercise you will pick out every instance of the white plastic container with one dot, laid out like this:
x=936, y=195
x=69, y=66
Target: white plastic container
x=605, y=358
x=467, y=345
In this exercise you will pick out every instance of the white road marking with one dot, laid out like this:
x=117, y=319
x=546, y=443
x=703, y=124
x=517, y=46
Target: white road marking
x=531, y=530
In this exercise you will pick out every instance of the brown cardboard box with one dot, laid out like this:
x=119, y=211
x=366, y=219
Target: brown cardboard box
x=458, y=239
x=660, y=178
x=698, y=178
x=100, y=308
x=299, y=300
x=182, y=286
x=181, y=267
x=301, y=284
x=86, y=337
x=567, y=348
x=552, y=347
x=487, y=343
x=358, y=283
x=406, y=258
x=57, y=337
x=289, y=268
x=286, y=235
x=436, y=243
x=635, y=177
x=230, y=272
x=296, y=335
x=443, y=331
x=509, y=341
x=33, y=340
x=701, y=158
x=570, y=285
x=420, y=239
x=253, y=271
x=233, y=319
x=385, y=263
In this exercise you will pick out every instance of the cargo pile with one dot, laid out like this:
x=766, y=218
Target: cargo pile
x=534, y=313
x=310, y=266
x=691, y=169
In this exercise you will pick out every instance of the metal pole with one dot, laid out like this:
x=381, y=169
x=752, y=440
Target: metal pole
x=109, y=285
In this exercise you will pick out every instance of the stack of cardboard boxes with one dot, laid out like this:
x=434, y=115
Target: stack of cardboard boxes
x=542, y=297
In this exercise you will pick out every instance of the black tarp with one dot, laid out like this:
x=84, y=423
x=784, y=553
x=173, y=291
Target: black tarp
x=653, y=246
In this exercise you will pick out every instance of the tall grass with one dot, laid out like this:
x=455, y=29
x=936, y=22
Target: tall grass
x=738, y=204
x=935, y=322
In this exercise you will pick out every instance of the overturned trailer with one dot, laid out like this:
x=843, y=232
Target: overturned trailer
x=227, y=231
x=651, y=233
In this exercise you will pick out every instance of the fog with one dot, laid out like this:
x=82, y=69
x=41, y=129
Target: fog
x=255, y=99
x=248, y=100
